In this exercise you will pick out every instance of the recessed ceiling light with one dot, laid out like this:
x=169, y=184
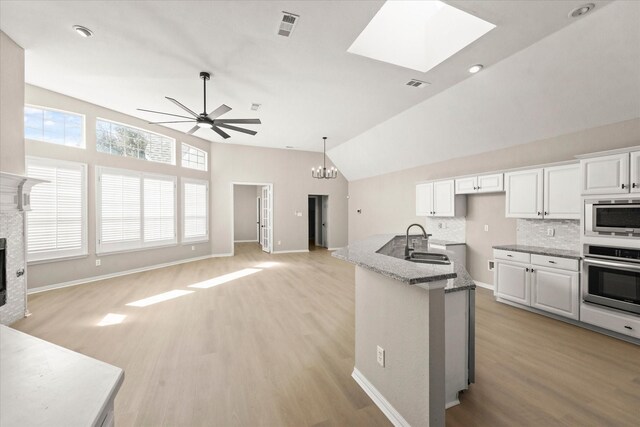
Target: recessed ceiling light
x=579, y=11
x=475, y=68
x=403, y=33
x=83, y=31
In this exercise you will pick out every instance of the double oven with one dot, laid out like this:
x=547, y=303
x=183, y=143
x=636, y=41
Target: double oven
x=611, y=266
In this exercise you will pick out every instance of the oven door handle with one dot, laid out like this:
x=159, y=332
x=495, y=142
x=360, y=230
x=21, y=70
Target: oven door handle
x=620, y=265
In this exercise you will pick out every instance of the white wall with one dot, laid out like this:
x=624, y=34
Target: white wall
x=245, y=213
x=11, y=106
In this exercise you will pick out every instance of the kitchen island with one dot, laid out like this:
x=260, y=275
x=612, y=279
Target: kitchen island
x=414, y=330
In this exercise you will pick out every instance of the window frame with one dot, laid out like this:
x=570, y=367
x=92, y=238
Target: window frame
x=126, y=125
x=83, y=127
x=206, y=157
x=195, y=239
x=57, y=255
x=140, y=244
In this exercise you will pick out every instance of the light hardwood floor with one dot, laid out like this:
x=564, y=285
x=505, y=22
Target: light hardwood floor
x=275, y=348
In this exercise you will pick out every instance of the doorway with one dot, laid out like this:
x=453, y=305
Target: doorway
x=318, y=221
x=252, y=213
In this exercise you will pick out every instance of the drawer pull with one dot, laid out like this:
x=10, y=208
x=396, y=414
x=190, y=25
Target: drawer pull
x=552, y=262
x=628, y=327
x=510, y=256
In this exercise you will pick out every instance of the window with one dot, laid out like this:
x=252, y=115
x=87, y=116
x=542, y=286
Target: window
x=193, y=158
x=134, y=210
x=54, y=126
x=57, y=222
x=195, y=205
x=122, y=140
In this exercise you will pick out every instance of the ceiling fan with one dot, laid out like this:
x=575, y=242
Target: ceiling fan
x=204, y=120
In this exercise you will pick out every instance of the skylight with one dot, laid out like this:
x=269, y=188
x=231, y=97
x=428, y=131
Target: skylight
x=418, y=34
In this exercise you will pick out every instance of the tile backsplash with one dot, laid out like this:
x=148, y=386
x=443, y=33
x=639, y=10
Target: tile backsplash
x=533, y=232
x=446, y=228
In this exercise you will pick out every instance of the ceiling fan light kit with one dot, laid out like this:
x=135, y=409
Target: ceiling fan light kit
x=204, y=120
x=322, y=172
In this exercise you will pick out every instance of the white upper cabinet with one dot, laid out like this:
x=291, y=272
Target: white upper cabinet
x=635, y=172
x=424, y=199
x=606, y=174
x=467, y=185
x=491, y=183
x=524, y=194
x=439, y=199
x=562, y=192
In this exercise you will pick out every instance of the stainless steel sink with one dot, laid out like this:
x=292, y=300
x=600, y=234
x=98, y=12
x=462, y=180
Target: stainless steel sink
x=428, y=258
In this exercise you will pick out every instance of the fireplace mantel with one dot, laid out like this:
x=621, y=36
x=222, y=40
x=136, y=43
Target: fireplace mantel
x=15, y=192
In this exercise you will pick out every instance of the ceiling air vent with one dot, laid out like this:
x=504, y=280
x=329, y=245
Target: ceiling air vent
x=289, y=21
x=416, y=83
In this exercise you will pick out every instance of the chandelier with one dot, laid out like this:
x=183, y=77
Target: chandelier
x=322, y=172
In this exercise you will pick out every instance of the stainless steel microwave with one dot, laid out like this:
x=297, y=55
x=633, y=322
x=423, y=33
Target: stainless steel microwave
x=615, y=217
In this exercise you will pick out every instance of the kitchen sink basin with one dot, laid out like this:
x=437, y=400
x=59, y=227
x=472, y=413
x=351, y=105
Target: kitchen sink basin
x=428, y=258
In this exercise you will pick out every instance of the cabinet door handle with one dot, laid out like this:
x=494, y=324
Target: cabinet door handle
x=624, y=186
x=526, y=269
x=532, y=270
x=634, y=185
x=546, y=213
x=539, y=213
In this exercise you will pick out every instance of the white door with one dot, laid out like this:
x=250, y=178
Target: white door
x=524, y=194
x=555, y=291
x=512, y=282
x=325, y=217
x=562, y=192
x=265, y=219
x=444, y=198
x=467, y=185
x=635, y=172
x=605, y=175
x=424, y=199
x=490, y=183
x=258, y=220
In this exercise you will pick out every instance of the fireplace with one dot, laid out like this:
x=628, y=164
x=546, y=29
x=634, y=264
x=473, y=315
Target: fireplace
x=3, y=272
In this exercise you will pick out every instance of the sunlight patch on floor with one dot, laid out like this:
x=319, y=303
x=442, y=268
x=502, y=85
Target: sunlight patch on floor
x=112, y=319
x=267, y=264
x=159, y=298
x=225, y=278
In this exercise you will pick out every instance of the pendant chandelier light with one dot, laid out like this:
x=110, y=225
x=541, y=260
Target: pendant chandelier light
x=322, y=172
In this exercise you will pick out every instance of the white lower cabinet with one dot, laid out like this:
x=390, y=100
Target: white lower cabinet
x=531, y=282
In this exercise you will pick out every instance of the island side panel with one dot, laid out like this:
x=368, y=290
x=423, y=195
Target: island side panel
x=408, y=322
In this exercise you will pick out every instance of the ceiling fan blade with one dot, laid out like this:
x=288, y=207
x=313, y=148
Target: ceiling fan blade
x=220, y=132
x=193, y=129
x=160, y=112
x=240, y=121
x=179, y=121
x=182, y=106
x=237, y=129
x=219, y=111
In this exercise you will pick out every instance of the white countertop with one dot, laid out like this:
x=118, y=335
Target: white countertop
x=42, y=384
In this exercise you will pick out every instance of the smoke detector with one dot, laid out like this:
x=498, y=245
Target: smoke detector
x=416, y=83
x=287, y=24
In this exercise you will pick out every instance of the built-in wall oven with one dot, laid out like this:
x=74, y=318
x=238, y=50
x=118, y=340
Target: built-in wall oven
x=612, y=217
x=612, y=277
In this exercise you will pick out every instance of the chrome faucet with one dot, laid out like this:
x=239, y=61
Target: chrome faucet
x=407, y=249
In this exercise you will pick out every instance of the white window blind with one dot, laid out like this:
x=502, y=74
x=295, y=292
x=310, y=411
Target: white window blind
x=195, y=210
x=193, y=158
x=135, y=210
x=57, y=222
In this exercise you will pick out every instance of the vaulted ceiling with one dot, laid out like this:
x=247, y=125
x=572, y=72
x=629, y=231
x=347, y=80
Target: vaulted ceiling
x=545, y=73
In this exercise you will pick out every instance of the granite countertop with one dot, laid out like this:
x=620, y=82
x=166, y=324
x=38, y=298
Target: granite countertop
x=44, y=384
x=364, y=254
x=445, y=242
x=538, y=250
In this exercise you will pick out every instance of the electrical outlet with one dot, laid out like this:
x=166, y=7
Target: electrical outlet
x=380, y=356
x=279, y=242
x=193, y=248
x=551, y=232
x=440, y=225
x=98, y=262
x=486, y=227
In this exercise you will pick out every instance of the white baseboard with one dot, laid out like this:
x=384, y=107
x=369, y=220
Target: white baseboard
x=291, y=252
x=333, y=249
x=245, y=241
x=120, y=273
x=382, y=403
x=484, y=285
